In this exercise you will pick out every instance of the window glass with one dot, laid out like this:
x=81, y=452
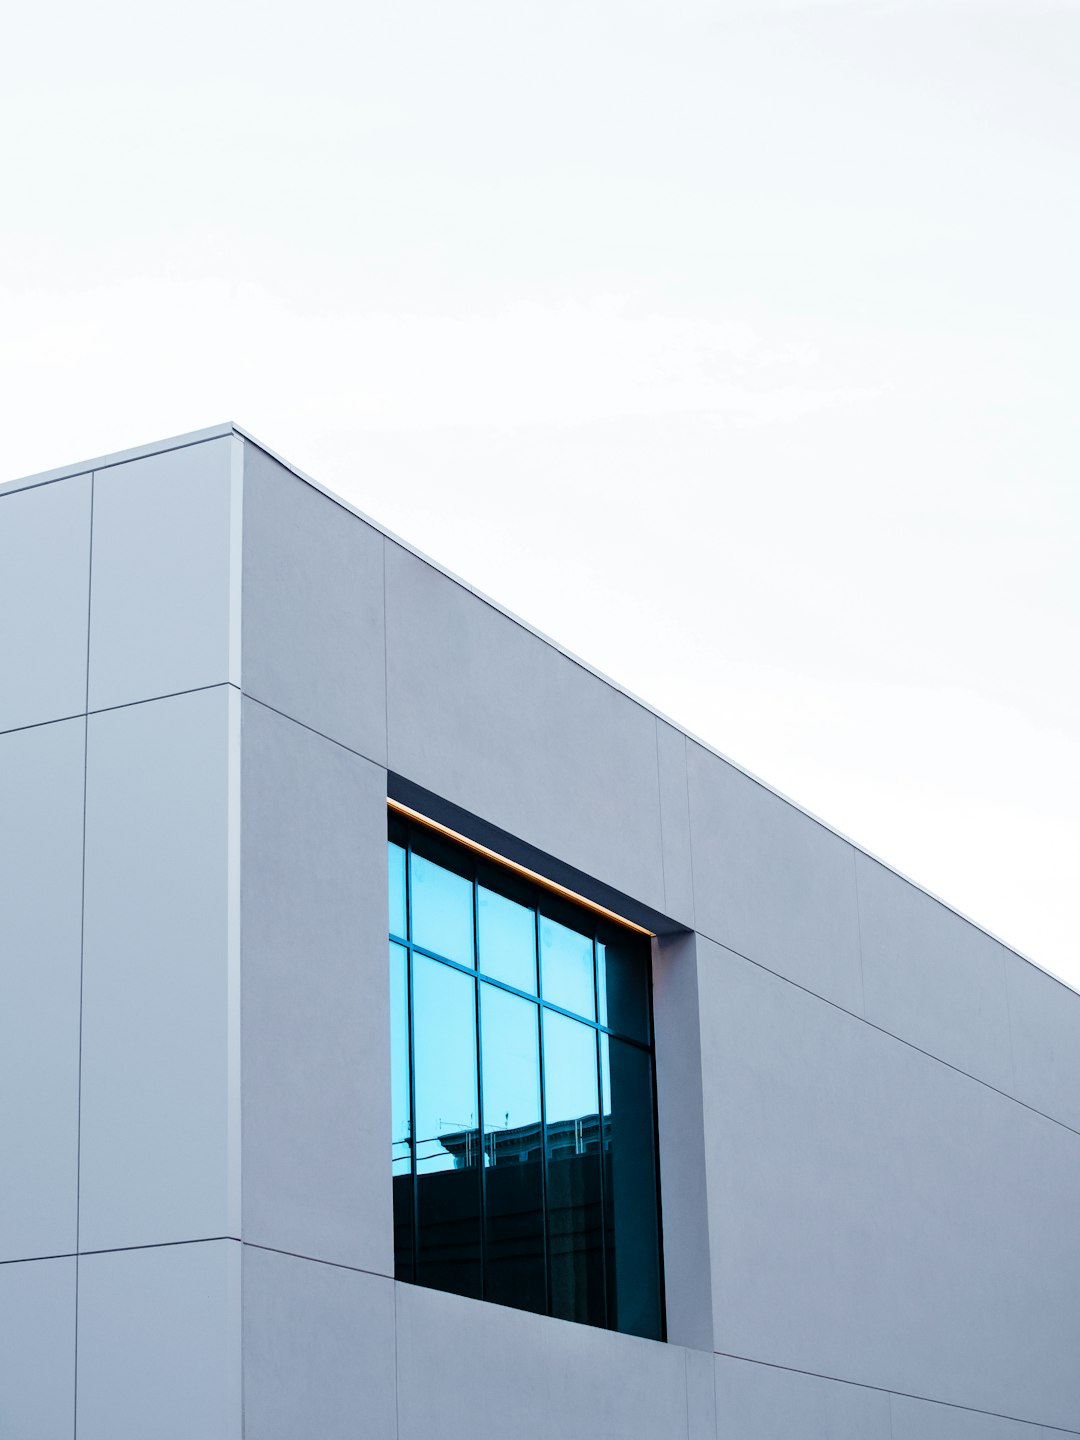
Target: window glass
x=631, y=1222
x=442, y=911
x=396, y=866
x=523, y=1148
x=447, y=1128
x=575, y=1235
x=515, y=1267
x=507, y=939
x=566, y=968
x=401, y=1128
x=570, y=1089
x=445, y=1067
x=622, y=976
x=401, y=1148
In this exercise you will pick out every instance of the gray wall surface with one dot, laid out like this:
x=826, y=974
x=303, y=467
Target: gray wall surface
x=211, y=672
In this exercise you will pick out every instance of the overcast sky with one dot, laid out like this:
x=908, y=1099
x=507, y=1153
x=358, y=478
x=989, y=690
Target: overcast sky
x=733, y=345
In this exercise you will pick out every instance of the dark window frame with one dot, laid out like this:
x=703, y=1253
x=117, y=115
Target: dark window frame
x=480, y=869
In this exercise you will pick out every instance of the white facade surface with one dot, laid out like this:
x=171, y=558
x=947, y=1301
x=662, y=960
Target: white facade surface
x=213, y=674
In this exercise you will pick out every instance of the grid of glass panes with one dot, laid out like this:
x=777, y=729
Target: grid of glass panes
x=524, y=1137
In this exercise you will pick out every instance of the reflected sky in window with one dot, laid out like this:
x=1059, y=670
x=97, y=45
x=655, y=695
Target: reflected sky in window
x=442, y=911
x=509, y=1029
x=566, y=968
x=444, y=1044
x=507, y=940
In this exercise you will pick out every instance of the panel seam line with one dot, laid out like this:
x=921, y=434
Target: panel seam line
x=901, y=1394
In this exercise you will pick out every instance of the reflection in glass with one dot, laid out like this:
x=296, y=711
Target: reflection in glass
x=442, y=911
x=395, y=857
x=566, y=968
x=633, y=1259
x=447, y=1128
x=401, y=1136
x=523, y=1156
x=573, y=1152
x=507, y=939
x=622, y=975
x=513, y=1151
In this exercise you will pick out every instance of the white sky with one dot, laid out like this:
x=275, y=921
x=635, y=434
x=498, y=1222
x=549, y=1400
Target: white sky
x=733, y=345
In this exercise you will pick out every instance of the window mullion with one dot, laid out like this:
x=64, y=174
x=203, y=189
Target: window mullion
x=480, y=1094
x=414, y=1172
x=600, y=1135
x=543, y=1119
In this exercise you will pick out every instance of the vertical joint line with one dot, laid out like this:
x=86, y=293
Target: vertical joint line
x=82, y=949
x=548, y=1291
x=414, y=1177
x=479, y=1084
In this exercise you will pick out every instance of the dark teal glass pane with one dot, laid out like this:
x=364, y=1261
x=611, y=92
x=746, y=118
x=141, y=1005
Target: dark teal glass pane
x=622, y=972
x=507, y=939
x=400, y=1134
x=442, y=910
x=630, y=1165
x=395, y=857
x=513, y=1151
x=566, y=968
x=447, y=1128
x=575, y=1241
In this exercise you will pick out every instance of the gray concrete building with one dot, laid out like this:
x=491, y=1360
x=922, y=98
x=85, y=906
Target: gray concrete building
x=821, y=1183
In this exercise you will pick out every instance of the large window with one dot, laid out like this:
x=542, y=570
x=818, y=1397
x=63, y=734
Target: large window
x=524, y=1138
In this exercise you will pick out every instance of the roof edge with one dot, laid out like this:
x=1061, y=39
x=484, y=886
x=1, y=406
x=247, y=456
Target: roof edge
x=213, y=432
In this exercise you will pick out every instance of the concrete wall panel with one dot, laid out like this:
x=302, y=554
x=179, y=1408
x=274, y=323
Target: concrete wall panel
x=675, y=823
x=319, y=1350
x=1044, y=1018
x=681, y=1133
x=931, y=977
x=772, y=884
x=41, y=805
x=762, y=1402
x=467, y=1369
x=44, y=601
x=488, y=716
x=879, y=1217
x=159, y=1343
x=313, y=608
x=920, y=1420
x=37, y=1350
x=158, y=1159
x=162, y=602
x=700, y=1395
x=316, y=1019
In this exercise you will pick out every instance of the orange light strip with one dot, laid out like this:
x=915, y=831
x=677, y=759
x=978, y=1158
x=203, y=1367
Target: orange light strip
x=540, y=880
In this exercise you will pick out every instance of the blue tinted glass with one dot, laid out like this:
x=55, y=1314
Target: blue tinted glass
x=400, y=1133
x=633, y=1259
x=442, y=911
x=444, y=1021
x=510, y=1035
x=401, y=1149
x=395, y=857
x=515, y=1269
x=448, y=1237
x=566, y=968
x=570, y=1090
x=622, y=975
x=507, y=940
x=553, y=1206
x=575, y=1228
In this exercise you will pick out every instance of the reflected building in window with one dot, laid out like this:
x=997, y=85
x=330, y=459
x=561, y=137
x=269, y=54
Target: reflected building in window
x=523, y=1066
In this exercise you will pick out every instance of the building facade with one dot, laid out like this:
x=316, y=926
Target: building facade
x=859, y=1115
